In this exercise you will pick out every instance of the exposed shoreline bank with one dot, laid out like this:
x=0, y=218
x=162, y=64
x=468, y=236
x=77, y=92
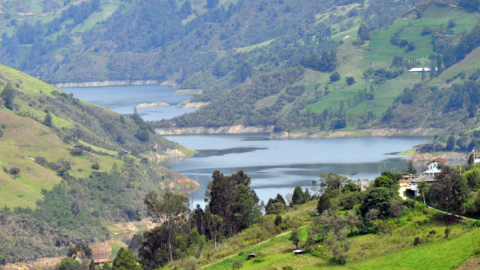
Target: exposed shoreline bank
x=239, y=129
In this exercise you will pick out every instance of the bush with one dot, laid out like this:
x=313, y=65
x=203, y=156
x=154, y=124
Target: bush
x=427, y=30
x=334, y=77
x=350, y=80
x=96, y=166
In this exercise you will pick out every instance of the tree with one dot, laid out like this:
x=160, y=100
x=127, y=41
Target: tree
x=169, y=211
x=450, y=143
x=297, y=197
x=81, y=249
x=47, y=121
x=323, y=203
x=411, y=169
x=125, y=261
x=350, y=80
x=294, y=237
x=471, y=162
x=75, y=208
x=384, y=181
x=8, y=96
x=427, y=30
x=278, y=220
x=91, y=265
x=422, y=187
x=396, y=209
x=237, y=264
x=388, y=116
x=331, y=181
x=352, y=221
x=242, y=206
x=306, y=196
x=335, y=77
x=96, y=166
x=191, y=262
x=372, y=215
x=452, y=23
x=339, y=245
x=15, y=172
x=378, y=198
x=363, y=32
x=450, y=191
x=350, y=187
x=69, y=264
x=244, y=70
x=447, y=232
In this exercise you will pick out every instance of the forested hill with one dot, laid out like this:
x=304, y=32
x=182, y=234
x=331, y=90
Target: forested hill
x=363, y=81
x=198, y=44
x=64, y=171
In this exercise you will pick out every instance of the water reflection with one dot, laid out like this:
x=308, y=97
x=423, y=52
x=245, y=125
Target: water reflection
x=238, y=150
x=277, y=166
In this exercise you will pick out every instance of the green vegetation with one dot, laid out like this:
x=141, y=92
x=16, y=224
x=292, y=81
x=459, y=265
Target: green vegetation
x=51, y=179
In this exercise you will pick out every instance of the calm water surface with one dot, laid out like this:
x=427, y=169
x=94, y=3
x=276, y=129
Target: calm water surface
x=277, y=166
x=122, y=99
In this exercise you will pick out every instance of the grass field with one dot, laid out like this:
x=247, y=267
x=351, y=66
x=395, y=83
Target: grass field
x=252, y=47
x=446, y=255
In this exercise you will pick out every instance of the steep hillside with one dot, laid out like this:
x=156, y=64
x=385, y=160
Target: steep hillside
x=187, y=42
x=65, y=170
x=434, y=35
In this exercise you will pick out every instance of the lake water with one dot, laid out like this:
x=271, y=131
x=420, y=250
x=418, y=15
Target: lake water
x=275, y=166
x=122, y=99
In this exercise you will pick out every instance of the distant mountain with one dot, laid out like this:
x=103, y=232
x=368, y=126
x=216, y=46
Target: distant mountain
x=66, y=171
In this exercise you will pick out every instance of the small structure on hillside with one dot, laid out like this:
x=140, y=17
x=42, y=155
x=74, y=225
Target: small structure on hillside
x=299, y=252
x=419, y=70
x=101, y=261
x=250, y=256
x=433, y=167
x=476, y=159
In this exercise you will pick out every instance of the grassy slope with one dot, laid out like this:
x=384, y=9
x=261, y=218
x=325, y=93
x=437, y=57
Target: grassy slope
x=25, y=139
x=353, y=60
x=377, y=251
x=446, y=255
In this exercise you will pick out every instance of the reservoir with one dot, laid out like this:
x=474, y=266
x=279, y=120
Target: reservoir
x=275, y=166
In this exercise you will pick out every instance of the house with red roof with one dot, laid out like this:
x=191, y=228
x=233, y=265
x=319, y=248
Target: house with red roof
x=433, y=167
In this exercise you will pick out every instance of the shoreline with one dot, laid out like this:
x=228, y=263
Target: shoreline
x=239, y=129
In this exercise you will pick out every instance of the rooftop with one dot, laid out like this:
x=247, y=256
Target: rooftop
x=439, y=160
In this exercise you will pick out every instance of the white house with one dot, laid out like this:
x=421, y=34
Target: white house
x=476, y=159
x=433, y=167
x=420, y=70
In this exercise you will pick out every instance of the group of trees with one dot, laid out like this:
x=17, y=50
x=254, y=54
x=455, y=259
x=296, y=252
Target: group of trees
x=231, y=207
x=326, y=63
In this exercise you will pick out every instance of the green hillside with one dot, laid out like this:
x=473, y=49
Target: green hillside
x=380, y=70
x=64, y=174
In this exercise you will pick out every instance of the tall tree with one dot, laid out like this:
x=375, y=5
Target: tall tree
x=242, y=206
x=363, y=32
x=450, y=191
x=378, y=198
x=8, y=96
x=450, y=143
x=297, y=197
x=323, y=203
x=396, y=209
x=170, y=210
x=422, y=187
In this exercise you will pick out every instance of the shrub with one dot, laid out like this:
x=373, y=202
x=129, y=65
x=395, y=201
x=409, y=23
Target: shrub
x=427, y=30
x=335, y=77
x=417, y=241
x=278, y=220
x=96, y=166
x=350, y=80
